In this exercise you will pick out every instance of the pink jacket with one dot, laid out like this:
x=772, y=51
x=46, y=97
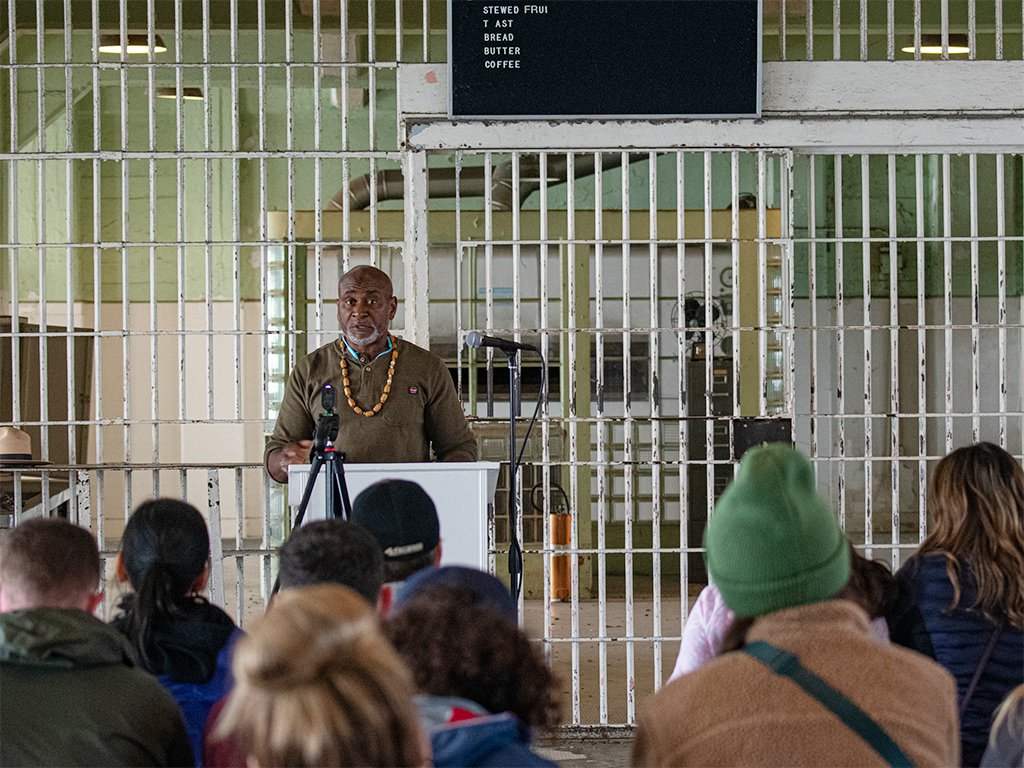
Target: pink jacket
x=707, y=624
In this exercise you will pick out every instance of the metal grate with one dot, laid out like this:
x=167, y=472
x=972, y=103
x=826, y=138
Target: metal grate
x=164, y=263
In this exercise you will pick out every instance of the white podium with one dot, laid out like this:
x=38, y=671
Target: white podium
x=463, y=493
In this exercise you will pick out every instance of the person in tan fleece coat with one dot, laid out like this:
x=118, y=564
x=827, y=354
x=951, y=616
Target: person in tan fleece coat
x=776, y=553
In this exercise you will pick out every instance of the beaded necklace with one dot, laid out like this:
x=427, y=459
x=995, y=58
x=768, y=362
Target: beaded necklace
x=347, y=384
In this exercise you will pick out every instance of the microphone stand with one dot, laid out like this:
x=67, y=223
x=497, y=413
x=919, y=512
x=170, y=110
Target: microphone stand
x=515, y=552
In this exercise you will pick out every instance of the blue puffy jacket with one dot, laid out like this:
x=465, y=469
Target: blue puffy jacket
x=956, y=639
x=464, y=735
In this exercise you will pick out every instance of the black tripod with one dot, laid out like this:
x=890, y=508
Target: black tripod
x=327, y=458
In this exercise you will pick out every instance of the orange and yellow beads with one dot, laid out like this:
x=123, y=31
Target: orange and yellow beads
x=347, y=384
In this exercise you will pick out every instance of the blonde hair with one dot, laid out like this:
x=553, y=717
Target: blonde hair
x=1009, y=713
x=976, y=498
x=317, y=685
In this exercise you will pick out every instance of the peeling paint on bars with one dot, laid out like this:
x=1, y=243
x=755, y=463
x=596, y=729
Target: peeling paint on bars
x=574, y=448
x=922, y=347
x=603, y=484
x=628, y=428
x=894, y=358
x=657, y=509
x=975, y=298
x=867, y=406
x=1001, y=278
x=840, y=333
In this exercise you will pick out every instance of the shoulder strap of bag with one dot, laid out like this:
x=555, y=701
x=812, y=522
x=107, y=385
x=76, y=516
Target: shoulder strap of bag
x=982, y=663
x=853, y=717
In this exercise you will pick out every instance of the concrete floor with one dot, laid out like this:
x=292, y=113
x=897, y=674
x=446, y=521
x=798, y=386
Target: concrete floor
x=597, y=752
x=613, y=675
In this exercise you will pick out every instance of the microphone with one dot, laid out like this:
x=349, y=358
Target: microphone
x=476, y=339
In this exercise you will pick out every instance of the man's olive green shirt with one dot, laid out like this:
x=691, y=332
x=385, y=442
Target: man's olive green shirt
x=421, y=419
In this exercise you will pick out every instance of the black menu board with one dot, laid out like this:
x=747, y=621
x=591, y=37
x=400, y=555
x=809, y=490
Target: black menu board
x=605, y=58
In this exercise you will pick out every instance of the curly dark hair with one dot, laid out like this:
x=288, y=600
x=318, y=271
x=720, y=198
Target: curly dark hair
x=456, y=646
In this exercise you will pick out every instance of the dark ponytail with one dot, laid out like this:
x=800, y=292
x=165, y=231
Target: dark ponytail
x=164, y=549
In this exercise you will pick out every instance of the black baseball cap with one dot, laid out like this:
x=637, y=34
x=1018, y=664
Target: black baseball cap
x=401, y=516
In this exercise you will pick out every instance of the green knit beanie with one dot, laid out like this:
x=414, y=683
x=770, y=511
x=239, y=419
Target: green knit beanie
x=772, y=541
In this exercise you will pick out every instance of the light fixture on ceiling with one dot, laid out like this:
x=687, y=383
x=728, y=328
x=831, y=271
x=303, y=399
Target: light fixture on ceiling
x=190, y=93
x=137, y=44
x=932, y=45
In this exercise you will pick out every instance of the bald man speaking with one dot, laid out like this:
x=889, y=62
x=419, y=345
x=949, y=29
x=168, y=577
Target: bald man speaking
x=396, y=401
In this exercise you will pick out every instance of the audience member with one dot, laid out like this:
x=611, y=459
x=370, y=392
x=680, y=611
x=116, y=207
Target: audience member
x=1006, y=741
x=317, y=685
x=962, y=592
x=403, y=519
x=333, y=552
x=872, y=586
x=483, y=685
x=777, y=554
x=180, y=637
x=70, y=690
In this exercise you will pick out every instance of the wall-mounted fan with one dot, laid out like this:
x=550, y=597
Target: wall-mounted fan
x=692, y=313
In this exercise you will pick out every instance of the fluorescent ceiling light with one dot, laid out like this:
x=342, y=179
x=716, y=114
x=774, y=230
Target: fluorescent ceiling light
x=137, y=44
x=932, y=44
x=187, y=94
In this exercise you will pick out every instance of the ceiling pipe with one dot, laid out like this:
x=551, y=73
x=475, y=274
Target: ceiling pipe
x=472, y=182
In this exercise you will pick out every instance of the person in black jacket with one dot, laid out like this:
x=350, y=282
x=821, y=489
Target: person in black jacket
x=961, y=594
x=180, y=636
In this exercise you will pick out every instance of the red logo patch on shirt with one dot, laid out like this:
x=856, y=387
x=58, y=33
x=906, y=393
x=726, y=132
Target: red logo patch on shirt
x=413, y=390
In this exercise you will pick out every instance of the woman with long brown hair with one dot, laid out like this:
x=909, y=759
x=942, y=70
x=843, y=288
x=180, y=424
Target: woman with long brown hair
x=962, y=593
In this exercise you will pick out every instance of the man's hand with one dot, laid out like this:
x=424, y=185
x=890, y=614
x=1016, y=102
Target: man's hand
x=293, y=453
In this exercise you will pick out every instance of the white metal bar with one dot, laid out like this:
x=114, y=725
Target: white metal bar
x=868, y=405
x=824, y=135
x=837, y=31
x=709, y=403
x=574, y=447
x=654, y=356
x=972, y=29
x=810, y=32
x=763, y=321
x=840, y=334
x=682, y=397
x=947, y=288
x=895, y=449
x=318, y=229
x=602, y=428
x=863, y=30
x=416, y=256
x=1001, y=289
x=999, y=30
x=97, y=273
x=922, y=348
x=782, y=33
x=126, y=401
x=545, y=409
x=181, y=252
x=890, y=30
x=628, y=429
x=972, y=161
x=788, y=219
x=41, y=222
x=944, y=27
x=213, y=521
x=236, y=234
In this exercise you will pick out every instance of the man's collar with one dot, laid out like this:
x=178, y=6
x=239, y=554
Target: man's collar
x=356, y=356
